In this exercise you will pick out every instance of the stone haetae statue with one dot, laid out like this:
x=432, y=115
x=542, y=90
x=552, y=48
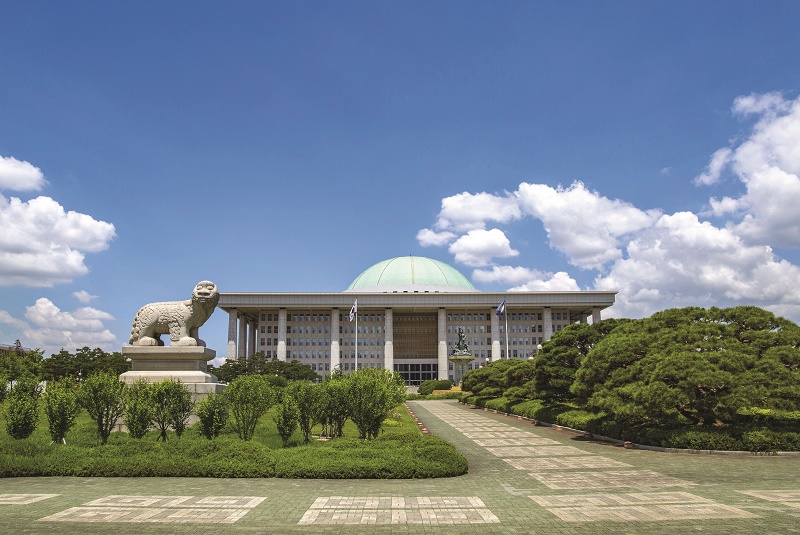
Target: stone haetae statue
x=179, y=319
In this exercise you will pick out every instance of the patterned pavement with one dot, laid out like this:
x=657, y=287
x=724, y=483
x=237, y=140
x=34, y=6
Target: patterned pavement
x=523, y=479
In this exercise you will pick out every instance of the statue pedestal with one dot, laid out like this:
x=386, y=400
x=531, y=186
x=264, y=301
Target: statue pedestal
x=186, y=364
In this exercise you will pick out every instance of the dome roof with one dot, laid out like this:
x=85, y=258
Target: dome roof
x=411, y=274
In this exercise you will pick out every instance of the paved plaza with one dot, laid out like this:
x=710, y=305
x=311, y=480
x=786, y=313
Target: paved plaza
x=522, y=479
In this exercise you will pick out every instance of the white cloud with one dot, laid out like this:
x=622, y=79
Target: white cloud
x=582, y=224
x=767, y=162
x=18, y=175
x=719, y=160
x=49, y=328
x=658, y=260
x=477, y=247
x=468, y=211
x=427, y=237
x=525, y=279
x=558, y=282
x=83, y=296
x=42, y=244
x=683, y=261
x=506, y=275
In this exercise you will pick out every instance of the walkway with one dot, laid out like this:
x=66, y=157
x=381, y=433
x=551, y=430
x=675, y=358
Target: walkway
x=523, y=479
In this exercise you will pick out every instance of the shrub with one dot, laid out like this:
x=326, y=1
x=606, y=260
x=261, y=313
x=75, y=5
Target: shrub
x=427, y=387
x=102, y=395
x=374, y=393
x=286, y=417
x=703, y=440
x=213, y=414
x=22, y=415
x=250, y=397
x=62, y=408
x=304, y=395
x=139, y=408
x=27, y=384
x=332, y=405
x=172, y=405
x=768, y=440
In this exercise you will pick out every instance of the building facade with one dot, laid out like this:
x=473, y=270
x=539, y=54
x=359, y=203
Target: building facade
x=408, y=311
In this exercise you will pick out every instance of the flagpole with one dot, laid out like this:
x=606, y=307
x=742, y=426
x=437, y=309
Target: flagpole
x=356, y=365
x=505, y=313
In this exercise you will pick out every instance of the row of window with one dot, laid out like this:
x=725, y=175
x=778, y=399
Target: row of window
x=513, y=316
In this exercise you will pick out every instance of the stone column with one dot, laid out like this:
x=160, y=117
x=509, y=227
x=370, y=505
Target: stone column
x=335, y=357
x=583, y=319
x=388, y=340
x=282, y=334
x=547, y=316
x=242, y=342
x=495, y=336
x=442, y=349
x=232, y=316
x=251, y=346
x=596, y=315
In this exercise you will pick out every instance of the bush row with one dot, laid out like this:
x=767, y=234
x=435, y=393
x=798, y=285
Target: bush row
x=742, y=439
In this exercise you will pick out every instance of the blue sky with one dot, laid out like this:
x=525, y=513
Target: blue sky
x=648, y=147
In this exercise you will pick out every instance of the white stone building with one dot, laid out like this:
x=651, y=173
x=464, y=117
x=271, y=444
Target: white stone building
x=409, y=312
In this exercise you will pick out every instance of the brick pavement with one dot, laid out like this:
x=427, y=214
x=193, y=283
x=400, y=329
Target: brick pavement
x=522, y=479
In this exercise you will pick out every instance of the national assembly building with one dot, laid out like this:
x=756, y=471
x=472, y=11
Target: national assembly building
x=406, y=313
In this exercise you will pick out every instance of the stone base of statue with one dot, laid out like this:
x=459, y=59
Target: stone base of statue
x=460, y=358
x=186, y=364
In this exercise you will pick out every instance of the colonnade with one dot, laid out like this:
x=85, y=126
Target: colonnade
x=243, y=336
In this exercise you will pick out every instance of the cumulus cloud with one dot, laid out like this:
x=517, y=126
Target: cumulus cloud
x=427, y=237
x=470, y=211
x=18, y=175
x=477, y=247
x=49, y=328
x=83, y=296
x=719, y=160
x=42, y=244
x=558, y=282
x=683, y=261
x=657, y=260
x=583, y=224
x=767, y=162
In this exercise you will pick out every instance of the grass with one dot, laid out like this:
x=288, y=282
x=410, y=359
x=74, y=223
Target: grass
x=400, y=452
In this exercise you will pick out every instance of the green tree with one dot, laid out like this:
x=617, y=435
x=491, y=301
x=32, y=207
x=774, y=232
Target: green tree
x=332, y=405
x=213, y=414
x=22, y=413
x=259, y=364
x=139, y=408
x=250, y=396
x=374, y=393
x=62, y=408
x=172, y=406
x=102, y=395
x=286, y=418
x=304, y=395
x=82, y=363
x=555, y=366
x=693, y=366
x=18, y=363
x=490, y=380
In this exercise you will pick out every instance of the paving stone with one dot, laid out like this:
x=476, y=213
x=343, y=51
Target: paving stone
x=657, y=493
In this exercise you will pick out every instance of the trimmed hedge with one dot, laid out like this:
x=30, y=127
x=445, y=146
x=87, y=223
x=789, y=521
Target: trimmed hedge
x=427, y=387
x=723, y=439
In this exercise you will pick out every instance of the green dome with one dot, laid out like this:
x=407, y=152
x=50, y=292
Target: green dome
x=411, y=274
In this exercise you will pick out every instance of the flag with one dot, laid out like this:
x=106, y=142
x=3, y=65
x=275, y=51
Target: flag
x=354, y=310
x=501, y=308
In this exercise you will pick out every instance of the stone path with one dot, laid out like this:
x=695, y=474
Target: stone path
x=523, y=479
